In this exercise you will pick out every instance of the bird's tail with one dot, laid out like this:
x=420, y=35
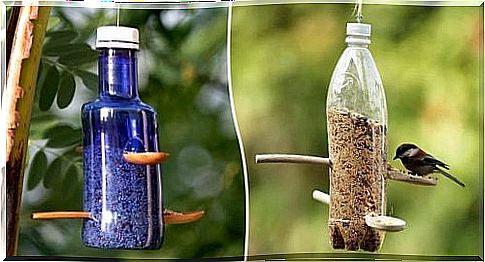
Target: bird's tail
x=451, y=177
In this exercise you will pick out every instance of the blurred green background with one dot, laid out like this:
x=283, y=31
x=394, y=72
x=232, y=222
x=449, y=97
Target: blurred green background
x=182, y=74
x=429, y=59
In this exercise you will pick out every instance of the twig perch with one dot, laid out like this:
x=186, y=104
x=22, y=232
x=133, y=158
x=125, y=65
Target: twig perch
x=392, y=173
x=290, y=158
x=395, y=174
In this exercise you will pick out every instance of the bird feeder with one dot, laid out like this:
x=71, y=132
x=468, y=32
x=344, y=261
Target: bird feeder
x=357, y=128
x=121, y=157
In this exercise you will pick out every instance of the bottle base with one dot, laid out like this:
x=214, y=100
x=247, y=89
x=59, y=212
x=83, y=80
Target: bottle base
x=121, y=245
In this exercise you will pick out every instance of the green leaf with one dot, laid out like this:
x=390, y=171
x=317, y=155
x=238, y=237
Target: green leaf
x=37, y=169
x=67, y=87
x=89, y=79
x=59, y=38
x=62, y=135
x=64, y=35
x=78, y=55
x=70, y=184
x=53, y=21
x=65, y=49
x=49, y=88
x=54, y=173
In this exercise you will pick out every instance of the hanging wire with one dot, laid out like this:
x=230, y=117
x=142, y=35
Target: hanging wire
x=118, y=15
x=358, y=11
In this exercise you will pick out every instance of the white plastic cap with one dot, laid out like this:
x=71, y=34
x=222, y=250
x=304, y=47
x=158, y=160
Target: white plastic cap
x=358, y=33
x=358, y=29
x=117, y=37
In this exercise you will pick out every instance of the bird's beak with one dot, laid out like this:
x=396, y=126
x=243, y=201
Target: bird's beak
x=395, y=157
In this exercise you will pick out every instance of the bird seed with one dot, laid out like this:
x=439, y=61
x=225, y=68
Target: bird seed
x=358, y=150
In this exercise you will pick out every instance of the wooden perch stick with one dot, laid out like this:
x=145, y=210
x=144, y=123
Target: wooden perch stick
x=61, y=215
x=172, y=217
x=392, y=173
x=397, y=175
x=289, y=158
x=147, y=158
x=169, y=216
x=321, y=197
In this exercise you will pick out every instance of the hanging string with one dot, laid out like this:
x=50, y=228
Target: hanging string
x=358, y=11
x=118, y=16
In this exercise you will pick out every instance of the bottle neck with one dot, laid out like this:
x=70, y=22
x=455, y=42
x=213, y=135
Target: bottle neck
x=118, y=73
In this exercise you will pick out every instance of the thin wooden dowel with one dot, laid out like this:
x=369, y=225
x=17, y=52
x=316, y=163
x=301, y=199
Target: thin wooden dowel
x=169, y=216
x=292, y=158
x=321, y=197
x=62, y=215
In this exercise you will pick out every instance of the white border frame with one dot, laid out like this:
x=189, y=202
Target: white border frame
x=171, y=4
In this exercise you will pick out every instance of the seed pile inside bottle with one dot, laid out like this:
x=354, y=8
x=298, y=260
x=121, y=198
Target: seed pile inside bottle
x=358, y=150
x=123, y=201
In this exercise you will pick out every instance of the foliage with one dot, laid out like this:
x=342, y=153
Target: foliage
x=181, y=74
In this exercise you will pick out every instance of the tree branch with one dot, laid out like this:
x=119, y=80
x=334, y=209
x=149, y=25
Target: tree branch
x=12, y=25
x=17, y=102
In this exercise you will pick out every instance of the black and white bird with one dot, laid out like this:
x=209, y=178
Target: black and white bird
x=422, y=163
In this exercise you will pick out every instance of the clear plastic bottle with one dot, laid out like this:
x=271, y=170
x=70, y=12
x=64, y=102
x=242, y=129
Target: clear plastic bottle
x=357, y=125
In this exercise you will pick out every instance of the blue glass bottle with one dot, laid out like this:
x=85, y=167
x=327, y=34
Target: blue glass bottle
x=124, y=199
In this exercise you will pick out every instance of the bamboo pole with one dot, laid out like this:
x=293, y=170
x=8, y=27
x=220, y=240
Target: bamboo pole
x=17, y=102
x=12, y=25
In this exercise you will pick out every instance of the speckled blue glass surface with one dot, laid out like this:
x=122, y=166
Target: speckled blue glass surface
x=124, y=199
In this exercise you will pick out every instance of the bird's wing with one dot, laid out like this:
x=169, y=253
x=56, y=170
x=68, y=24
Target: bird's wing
x=428, y=159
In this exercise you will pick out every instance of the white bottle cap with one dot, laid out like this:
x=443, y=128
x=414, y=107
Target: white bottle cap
x=117, y=37
x=358, y=33
x=358, y=29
